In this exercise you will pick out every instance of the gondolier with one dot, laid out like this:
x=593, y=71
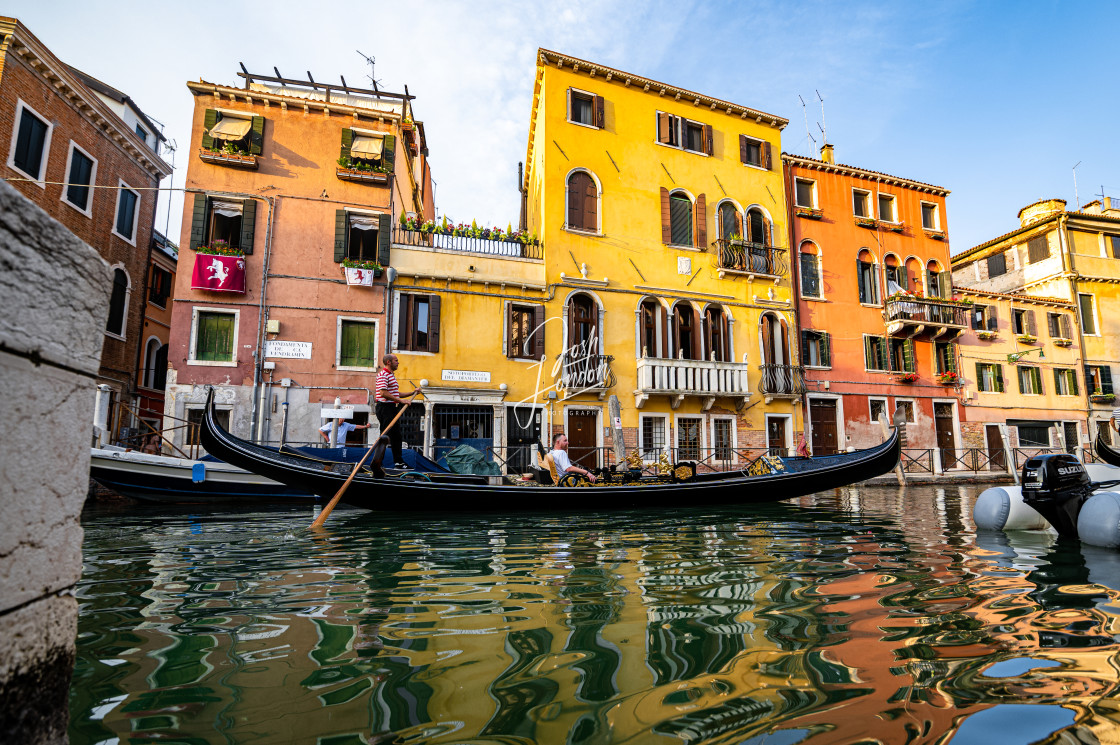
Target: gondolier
x=389, y=401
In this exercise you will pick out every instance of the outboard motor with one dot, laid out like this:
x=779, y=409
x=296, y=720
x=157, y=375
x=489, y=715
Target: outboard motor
x=1057, y=485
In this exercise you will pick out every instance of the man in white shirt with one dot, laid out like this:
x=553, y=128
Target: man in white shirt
x=344, y=428
x=559, y=455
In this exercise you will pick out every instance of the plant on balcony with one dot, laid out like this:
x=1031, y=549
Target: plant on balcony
x=937, y=235
x=1063, y=342
x=985, y=335
x=907, y=377
x=809, y=212
x=352, y=264
x=473, y=230
x=1102, y=398
x=895, y=227
x=228, y=154
x=359, y=166
x=219, y=248
x=948, y=378
x=866, y=222
x=1026, y=338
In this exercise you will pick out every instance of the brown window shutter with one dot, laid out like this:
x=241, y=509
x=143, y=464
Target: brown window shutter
x=575, y=201
x=1066, y=327
x=600, y=112
x=666, y=233
x=664, y=124
x=569, y=100
x=537, y=346
x=706, y=333
x=433, y=323
x=404, y=325
x=595, y=326
x=738, y=223
x=701, y=222
x=590, y=204
x=993, y=319
x=708, y=139
x=766, y=159
x=664, y=332
x=1031, y=328
x=742, y=148
x=697, y=335
x=512, y=349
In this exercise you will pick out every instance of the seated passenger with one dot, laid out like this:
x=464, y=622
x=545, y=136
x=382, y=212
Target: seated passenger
x=559, y=455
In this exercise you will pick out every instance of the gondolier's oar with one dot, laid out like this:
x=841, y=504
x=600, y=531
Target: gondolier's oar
x=318, y=523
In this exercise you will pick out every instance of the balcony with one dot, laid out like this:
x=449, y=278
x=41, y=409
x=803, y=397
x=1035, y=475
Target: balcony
x=782, y=381
x=744, y=259
x=481, y=243
x=910, y=316
x=585, y=373
x=679, y=379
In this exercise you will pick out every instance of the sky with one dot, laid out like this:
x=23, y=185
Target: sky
x=995, y=101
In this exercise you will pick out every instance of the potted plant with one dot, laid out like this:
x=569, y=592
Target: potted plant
x=808, y=212
x=1063, y=342
x=948, y=378
x=866, y=222
x=1102, y=398
x=985, y=335
x=219, y=248
x=1026, y=338
x=909, y=377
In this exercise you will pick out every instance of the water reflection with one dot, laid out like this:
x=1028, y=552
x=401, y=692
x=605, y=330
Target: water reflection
x=857, y=615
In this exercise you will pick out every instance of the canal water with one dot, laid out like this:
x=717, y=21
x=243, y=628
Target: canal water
x=860, y=615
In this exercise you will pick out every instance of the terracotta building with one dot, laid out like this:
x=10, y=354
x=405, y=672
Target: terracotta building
x=88, y=155
x=294, y=188
x=877, y=319
x=151, y=373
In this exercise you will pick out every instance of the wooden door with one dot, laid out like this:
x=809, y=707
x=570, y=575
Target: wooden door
x=776, y=435
x=996, y=461
x=946, y=442
x=582, y=439
x=822, y=417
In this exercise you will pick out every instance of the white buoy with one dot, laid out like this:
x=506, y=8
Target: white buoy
x=1002, y=508
x=1099, y=521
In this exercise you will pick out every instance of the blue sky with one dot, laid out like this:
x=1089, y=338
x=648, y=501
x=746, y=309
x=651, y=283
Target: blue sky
x=995, y=101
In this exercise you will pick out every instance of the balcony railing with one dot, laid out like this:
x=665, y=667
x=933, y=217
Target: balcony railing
x=782, y=380
x=906, y=313
x=681, y=378
x=751, y=258
x=581, y=372
x=468, y=244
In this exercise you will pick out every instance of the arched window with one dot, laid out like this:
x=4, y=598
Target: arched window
x=686, y=332
x=118, y=303
x=758, y=227
x=894, y=275
x=810, y=266
x=937, y=281
x=155, y=365
x=583, y=325
x=652, y=343
x=680, y=219
x=583, y=202
x=730, y=222
x=777, y=374
x=716, y=336
x=867, y=275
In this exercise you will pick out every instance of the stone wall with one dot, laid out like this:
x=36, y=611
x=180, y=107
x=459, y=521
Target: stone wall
x=56, y=294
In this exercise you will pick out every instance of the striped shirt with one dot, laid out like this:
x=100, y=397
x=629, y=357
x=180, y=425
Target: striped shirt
x=386, y=383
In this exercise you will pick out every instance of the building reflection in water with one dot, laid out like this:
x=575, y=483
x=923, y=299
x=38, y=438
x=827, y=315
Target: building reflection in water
x=828, y=621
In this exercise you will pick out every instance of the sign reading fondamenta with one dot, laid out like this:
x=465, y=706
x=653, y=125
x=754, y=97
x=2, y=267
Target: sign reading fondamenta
x=292, y=350
x=466, y=376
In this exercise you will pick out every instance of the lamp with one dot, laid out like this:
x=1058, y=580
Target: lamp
x=1014, y=357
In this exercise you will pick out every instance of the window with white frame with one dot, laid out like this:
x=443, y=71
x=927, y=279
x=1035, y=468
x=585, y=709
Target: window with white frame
x=81, y=172
x=676, y=131
x=931, y=218
x=1030, y=380
x=213, y=337
x=1065, y=381
x=907, y=407
x=861, y=203
x=583, y=202
x=357, y=344
x=128, y=213
x=723, y=442
x=811, y=284
x=690, y=436
x=867, y=278
x=31, y=141
x=887, y=208
x=989, y=377
x=816, y=348
x=876, y=353
x=877, y=409
x=805, y=193
x=653, y=437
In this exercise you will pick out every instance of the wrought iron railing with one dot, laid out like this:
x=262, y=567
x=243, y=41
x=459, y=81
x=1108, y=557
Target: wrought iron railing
x=927, y=311
x=692, y=377
x=752, y=258
x=478, y=244
x=782, y=380
x=581, y=371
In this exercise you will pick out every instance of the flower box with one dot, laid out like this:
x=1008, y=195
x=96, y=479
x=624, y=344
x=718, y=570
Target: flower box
x=362, y=275
x=948, y=378
x=866, y=222
x=1026, y=338
x=908, y=378
x=1063, y=342
x=894, y=227
x=808, y=212
x=1102, y=398
x=985, y=335
x=367, y=177
x=937, y=235
x=234, y=160
x=218, y=272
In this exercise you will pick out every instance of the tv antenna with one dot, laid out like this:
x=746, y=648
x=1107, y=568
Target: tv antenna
x=823, y=125
x=1076, y=201
x=371, y=61
x=808, y=133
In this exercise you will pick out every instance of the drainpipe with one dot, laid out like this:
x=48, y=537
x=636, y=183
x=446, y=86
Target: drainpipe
x=258, y=352
x=1067, y=253
x=795, y=293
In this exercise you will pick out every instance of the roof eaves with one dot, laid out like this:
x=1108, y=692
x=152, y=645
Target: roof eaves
x=866, y=172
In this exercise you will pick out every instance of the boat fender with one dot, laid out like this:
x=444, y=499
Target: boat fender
x=1099, y=521
x=198, y=473
x=1001, y=508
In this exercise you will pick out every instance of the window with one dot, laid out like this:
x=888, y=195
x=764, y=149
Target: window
x=1030, y=380
x=652, y=312
x=805, y=193
x=154, y=374
x=525, y=328
x=367, y=150
x=907, y=410
x=721, y=438
x=160, y=288
x=1114, y=242
x=877, y=409
x=930, y=217
x=997, y=264
x=1022, y=323
x=30, y=143
x=1098, y=379
x=758, y=231
x=887, y=208
x=938, y=283
x=127, y=213
x=1059, y=326
x=194, y=424
x=861, y=203
x=142, y=134
x=979, y=322
x=902, y=355
x=676, y=131
x=357, y=344
x=653, y=442
x=867, y=275
x=225, y=223
x=816, y=348
x=689, y=437
x=1065, y=381
x=686, y=333
x=118, y=304
x=229, y=220
x=754, y=152
x=693, y=136
x=989, y=377
x=581, y=108
x=895, y=276
x=361, y=236
x=945, y=357
x=233, y=132
x=1038, y=249
x=730, y=222
x=875, y=353
x=418, y=326
x=680, y=219
x=215, y=336
x=716, y=336
x=80, y=174
x=1088, y=314
x=583, y=326
x=1033, y=435
x=811, y=285
x=583, y=202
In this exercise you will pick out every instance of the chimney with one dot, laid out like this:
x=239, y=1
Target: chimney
x=826, y=154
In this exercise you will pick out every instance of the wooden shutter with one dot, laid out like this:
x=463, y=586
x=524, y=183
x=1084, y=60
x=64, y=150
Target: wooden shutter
x=512, y=349
x=708, y=139
x=859, y=281
x=767, y=160
x=404, y=323
x=347, y=142
x=742, y=148
x=945, y=284
x=664, y=332
x=875, y=284
x=384, y=238
x=590, y=198
x=340, y=235
x=666, y=232
x=1031, y=328
x=980, y=376
x=701, y=221
x=993, y=320
x=248, y=224
x=908, y=356
x=884, y=353
x=697, y=335
x=1066, y=326
x=599, y=107
x=951, y=357
x=209, y=119
x=198, y=221
x=826, y=349
x=388, y=151
x=805, y=358
x=595, y=325
x=575, y=201
x=1106, y=379
x=433, y=323
x=664, y=129
x=999, y=378
x=867, y=353
x=537, y=346
x=256, y=136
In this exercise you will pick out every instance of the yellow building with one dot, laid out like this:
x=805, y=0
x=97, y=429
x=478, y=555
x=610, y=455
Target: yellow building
x=1070, y=256
x=663, y=217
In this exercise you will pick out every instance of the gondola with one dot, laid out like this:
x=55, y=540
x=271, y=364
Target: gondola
x=414, y=492
x=1107, y=453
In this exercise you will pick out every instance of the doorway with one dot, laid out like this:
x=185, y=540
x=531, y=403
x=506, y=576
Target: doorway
x=996, y=461
x=1073, y=436
x=523, y=432
x=822, y=420
x=454, y=425
x=946, y=441
x=583, y=441
x=776, y=435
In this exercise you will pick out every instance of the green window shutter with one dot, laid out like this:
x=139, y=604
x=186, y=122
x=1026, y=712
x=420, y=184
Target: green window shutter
x=347, y=142
x=980, y=375
x=884, y=353
x=256, y=136
x=945, y=284
x=908, y=355
x=357, y=345
x=340, y=224
x=868, y=357
x=826, y=349
x=208, y=121
x=214, y=341
x=1058, y=375
x=1024, y=386
x=999, y=377
x=1106, y=379
x=389, y=152
x=951, y=357
x=248, y=224
x=804, y=345
x=1072, y=375
x=384, y=237
x=198, y=221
